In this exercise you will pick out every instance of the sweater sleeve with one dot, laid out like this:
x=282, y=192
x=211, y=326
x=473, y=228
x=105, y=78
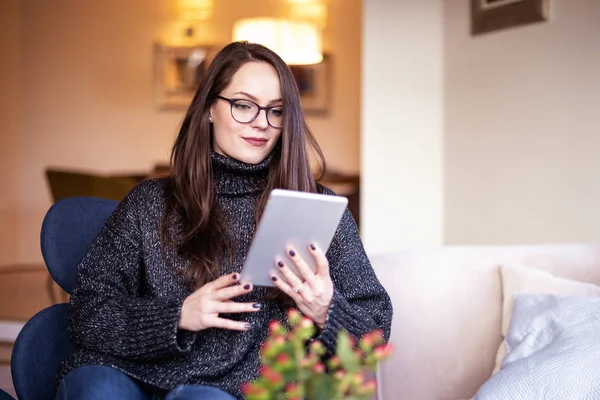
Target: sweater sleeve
x=360, y=304
x=108, y=313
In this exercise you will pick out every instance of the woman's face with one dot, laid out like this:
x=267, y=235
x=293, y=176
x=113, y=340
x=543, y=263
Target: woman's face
x=248, y=142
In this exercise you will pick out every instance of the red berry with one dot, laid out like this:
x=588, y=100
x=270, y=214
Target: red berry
x=318, y=368
x=271, y=375
x=283, y=359
x=377, y=336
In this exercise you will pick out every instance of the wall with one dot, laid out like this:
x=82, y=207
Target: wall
x=10, y=109
x=522, y=150
x=87, y=90
x=402, y=138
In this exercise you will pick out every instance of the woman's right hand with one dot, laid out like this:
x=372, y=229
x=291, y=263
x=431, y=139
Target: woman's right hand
x=201, y=309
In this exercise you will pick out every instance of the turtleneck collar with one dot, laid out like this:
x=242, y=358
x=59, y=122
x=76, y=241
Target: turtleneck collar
x=233, y=177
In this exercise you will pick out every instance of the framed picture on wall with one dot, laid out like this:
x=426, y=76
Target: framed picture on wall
x=492, y=15
x=313, y=83
x=177, y=73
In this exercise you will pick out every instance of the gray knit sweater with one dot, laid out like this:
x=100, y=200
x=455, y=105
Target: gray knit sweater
x=125, y=307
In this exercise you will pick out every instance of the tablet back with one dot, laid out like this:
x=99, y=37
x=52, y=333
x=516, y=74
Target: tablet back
x=294, y=219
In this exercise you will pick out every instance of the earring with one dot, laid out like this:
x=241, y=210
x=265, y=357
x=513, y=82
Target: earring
x=210, y=120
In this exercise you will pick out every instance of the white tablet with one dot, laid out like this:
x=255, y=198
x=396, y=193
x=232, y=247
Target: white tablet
x=294, y=219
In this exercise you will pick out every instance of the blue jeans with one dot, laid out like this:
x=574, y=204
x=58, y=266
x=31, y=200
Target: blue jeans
x=97, y=382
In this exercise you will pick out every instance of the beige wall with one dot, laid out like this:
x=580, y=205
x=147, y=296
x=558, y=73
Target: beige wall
x=522, y=157
x=87, y=88
x=402, y=137
x=10, y=116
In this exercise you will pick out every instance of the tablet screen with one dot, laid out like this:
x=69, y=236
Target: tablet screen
x=294, y=219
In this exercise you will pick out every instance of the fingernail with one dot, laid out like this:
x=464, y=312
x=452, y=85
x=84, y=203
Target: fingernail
x=274, y=278
x=292, y=253
x=235, y=276
x=248, y=326
x=280, y=263
x=256, y=305
x=247, y=286
x=312, y=246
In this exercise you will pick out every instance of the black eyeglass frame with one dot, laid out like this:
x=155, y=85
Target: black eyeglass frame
x=260, y=108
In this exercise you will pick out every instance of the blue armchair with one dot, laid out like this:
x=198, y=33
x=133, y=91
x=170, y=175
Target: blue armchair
x=70, y=227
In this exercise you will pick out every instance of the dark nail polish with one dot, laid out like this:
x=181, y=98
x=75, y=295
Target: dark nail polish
x=280, y=263
x=247, y=286
x=235, y=276
x=256, y=305
x=312, y=246
x=292, y=253
x=248, y=326
x=274, y=278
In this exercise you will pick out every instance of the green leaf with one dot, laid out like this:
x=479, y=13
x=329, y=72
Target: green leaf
x=350, y=361
x=320, y=387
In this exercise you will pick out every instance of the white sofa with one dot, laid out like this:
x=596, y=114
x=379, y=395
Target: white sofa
x=448, y=310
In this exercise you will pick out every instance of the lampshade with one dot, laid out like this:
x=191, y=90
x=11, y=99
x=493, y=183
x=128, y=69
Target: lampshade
x=296, y=42
x=308, y=10
x=195, y=9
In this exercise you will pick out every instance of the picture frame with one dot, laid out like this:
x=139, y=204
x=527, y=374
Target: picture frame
x=177, y=73
x=493, y=15
x=313, y=84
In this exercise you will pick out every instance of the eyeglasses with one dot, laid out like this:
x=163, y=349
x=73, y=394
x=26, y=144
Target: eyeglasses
x=245, y=111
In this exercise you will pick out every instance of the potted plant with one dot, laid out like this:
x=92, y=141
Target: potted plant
x=293, y=370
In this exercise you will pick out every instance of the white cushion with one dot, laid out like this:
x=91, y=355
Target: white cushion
x=521, y=279
x=554, y=351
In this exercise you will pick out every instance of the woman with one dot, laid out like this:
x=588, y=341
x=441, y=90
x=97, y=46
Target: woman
x=158, y=310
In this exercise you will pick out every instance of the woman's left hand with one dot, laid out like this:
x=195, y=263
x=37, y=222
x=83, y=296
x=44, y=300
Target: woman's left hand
x=313, y=296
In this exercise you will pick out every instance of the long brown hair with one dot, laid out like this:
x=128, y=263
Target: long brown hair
x=201, y=237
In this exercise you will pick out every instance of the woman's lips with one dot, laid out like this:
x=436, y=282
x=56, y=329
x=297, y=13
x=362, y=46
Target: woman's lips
x=256, y=141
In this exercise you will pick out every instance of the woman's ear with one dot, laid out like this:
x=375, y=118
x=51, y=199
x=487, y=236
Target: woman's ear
x=211, y=113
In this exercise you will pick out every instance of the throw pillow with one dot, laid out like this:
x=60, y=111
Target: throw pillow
x=522, y=279
x=554, y=352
